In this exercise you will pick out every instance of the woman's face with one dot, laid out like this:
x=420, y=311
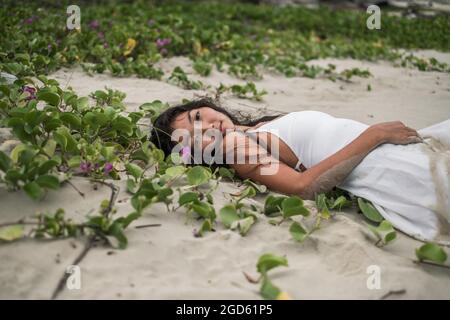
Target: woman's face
x=204, y=118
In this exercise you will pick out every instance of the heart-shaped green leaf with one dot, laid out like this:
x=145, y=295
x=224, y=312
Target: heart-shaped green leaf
x=154, y=107
x=198, y=175
x=131, y=186
x=108, y=153
x=245, y=224
x=124, y=125
x=187, y=197
x=11, y=233
x=340, y=203
x=293, y=206
x=384, y=232
x=229, y=215
x=65, y=139
x=258, y=187
x=205, y=227
x=203, y=209
x=82, y=103
x=125, y=221
x=269, y=261
x=298, y=232
x=268, y=290
x=431, y=252
x=48, y=181
x=51, y=98
x=369, y=211
x=116, y=231
x=272, y=205
x=70, y=119
x=50, y=147
x=226, y=173
x=248, y=192
x=34, y=190
x=175, y=171
x=134, y=170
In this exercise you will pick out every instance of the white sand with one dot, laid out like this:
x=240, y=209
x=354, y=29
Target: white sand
x=168, y=262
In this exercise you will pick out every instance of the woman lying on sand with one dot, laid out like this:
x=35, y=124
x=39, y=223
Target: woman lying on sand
x=404, y=173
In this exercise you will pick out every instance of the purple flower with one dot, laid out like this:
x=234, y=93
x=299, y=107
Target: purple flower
x=185, y=154
x=94, y=24
x=162, y=42
x=108, y=168
x=163, y=51
x=105, y=45
x=101, y=35
x=31, y=91
x=85, y=167
x=30, y=20
x=150, y=22
x=159, y=43
x=49, y=47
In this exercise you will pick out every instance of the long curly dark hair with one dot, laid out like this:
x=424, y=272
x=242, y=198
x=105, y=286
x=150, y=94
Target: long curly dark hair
x=162, y=126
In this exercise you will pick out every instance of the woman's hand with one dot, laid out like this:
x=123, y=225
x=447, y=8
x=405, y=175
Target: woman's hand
x=394, y=132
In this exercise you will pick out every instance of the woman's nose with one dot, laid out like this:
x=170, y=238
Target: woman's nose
x=207, y=126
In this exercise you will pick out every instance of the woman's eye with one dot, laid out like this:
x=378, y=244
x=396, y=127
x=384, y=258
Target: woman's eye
x=197, y=116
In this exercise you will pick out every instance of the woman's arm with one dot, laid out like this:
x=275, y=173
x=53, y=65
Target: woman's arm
x=331, y=171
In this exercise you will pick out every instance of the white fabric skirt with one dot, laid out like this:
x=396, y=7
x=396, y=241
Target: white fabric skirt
x=409, y=185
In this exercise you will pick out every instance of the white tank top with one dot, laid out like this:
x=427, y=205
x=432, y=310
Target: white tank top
x=312, y=135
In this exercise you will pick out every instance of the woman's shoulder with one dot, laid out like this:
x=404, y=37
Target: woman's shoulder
x=293, y=116
x=308, y=112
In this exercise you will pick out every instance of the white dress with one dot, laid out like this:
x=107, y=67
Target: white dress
x=408, y=184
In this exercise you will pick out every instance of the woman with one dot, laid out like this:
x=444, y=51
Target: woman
x=403, y=173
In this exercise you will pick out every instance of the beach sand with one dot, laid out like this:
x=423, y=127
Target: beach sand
x=168, y=262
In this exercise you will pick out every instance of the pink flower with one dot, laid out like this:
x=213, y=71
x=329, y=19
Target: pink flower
x=186, y=154
x=162, y=42
x=85, y=167
x=108, y=168
x=94, y=24
x=31, y=91
x=159, y=43
x=30, y=20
